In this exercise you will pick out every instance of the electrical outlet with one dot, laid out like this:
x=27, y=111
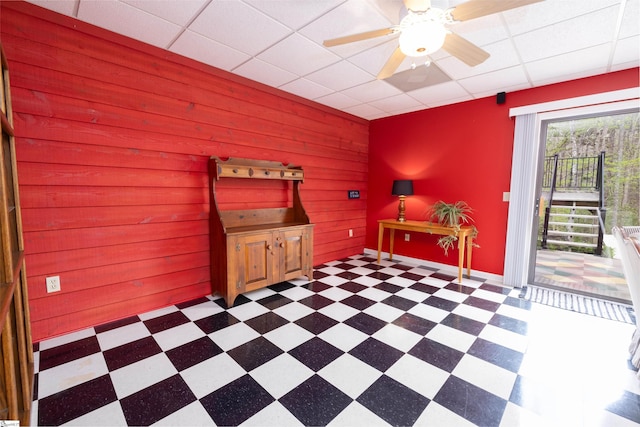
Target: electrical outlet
x=350, y=233
x=406, y=237
x=53, y=284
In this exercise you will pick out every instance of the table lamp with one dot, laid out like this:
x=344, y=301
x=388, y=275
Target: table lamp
x=402, y=188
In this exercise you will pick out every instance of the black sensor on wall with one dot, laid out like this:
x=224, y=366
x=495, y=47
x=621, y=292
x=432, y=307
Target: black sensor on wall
x=354, y=194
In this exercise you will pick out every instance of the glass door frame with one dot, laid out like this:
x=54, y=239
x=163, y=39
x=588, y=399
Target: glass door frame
x=521, y=216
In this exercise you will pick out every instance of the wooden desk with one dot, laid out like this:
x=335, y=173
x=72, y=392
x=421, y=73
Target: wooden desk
x=465, y=237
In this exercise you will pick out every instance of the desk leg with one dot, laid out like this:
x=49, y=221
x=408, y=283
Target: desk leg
x=461, y=248
x=469, y=249
x=392, y=233
x=380, y=236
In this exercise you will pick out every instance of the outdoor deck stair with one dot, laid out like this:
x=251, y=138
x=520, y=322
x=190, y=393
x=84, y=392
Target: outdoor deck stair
x=574, y=211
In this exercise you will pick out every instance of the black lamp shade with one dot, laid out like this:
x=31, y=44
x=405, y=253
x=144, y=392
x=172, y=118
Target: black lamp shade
x=402, y=187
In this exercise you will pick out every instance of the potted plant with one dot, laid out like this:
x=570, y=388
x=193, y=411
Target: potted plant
x=452, y=215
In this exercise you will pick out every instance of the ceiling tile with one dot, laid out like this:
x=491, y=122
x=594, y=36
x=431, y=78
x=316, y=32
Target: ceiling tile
x=630, y=26
x=587, y=30
x=223, y=21
x=180, y=13
x=129, y=21
x=365, y=111
x=482, y=31
x=441, y=93
x=351, y=17
x=627, y=52
x=298, y=55
x=494, y=82
x=306, y=89
x=549, y=12
x=376, y=89
x=294, y=13
x=64, y=7
x=337, y=100
x=502, y=54
x=579, y=63
x=339, y=76
x=200, y=48
x=263, y=72
x=401, y=102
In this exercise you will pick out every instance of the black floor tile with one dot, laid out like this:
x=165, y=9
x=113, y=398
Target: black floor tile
x=514, y=325
x=266, y=322
x=168, y=321
x=316, y=353
x=464, y=324
x=117, y=324
x=315, y=402
x=316, y=286
x=236, y=402
x=187, y=355
x=498, y=355
x=471, y=402
x=365, y=323
x=376, y=353
x=440, y=355
x=388, y=287
x=352, y=287
x=316, y=323
x=423, y=287
x=254, y=353
x=216, y=322
x=76, y=401
x=399, y=302
x=274, y=301
x=414, y=323
x=358, y=302
x=157, y=401
x=68, y=352
x=316, y=301
x=441, y=303
x=393, y=402
x=628, y=406
x=132, y=352
x=482, y=304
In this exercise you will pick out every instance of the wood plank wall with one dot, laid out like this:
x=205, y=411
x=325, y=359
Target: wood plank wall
x=113, y=138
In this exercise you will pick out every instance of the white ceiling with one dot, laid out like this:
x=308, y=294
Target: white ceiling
x=279, y=43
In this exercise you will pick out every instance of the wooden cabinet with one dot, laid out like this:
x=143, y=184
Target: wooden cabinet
x=16, y=351
x=254, y=248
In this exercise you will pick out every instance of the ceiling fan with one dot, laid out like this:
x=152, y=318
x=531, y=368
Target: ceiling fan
x=424, y=30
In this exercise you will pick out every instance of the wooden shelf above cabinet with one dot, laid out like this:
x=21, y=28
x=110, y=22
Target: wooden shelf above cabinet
x=256, y=169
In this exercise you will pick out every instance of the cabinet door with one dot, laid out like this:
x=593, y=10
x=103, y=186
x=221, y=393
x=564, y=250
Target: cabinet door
x=250, y=261
x=291, y=244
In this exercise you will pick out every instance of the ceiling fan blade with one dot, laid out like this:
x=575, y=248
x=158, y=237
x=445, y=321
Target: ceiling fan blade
x=357, y=37
x=392, y=64
x=477, y=8
x=464, y=50
x=417, y=5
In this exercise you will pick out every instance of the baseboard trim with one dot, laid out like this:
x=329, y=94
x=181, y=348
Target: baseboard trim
x=494, y=278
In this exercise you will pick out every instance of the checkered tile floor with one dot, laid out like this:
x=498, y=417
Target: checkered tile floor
x=362, y=344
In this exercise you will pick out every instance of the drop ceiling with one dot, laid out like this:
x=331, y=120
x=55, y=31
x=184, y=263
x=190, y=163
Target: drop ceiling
x=279, y=43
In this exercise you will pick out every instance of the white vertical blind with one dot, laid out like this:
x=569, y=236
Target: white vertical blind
x=521, y=200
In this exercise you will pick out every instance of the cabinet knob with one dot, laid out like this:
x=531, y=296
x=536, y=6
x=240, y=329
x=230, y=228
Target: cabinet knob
x=269, y=247
x=282, y=244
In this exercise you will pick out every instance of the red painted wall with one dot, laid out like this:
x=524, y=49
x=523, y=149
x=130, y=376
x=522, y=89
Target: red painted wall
x=459, y=152
x=113, y=138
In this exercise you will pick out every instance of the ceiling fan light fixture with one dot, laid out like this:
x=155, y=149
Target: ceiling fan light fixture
x=422, y=33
